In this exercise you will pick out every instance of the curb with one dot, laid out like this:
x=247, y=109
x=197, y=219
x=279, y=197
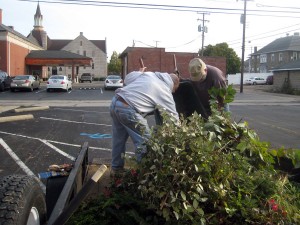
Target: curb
x=32, y=109
x=16, y=118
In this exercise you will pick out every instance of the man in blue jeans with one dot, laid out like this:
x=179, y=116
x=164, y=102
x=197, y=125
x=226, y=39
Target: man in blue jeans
x=142, y=94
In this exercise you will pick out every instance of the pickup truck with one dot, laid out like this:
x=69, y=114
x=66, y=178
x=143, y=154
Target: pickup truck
x=86, y=77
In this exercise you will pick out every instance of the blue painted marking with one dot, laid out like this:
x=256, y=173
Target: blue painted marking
x=97, y=135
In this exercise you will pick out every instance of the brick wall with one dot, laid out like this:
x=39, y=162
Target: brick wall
x=17, y=60
x=156, y=59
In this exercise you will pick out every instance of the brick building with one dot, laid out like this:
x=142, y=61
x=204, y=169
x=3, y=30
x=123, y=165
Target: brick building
x=69, y=57
x=14, y=47
x=156, y=59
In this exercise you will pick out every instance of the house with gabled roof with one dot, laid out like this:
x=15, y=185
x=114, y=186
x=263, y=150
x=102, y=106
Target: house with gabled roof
x=282, y=57
x=279, y=52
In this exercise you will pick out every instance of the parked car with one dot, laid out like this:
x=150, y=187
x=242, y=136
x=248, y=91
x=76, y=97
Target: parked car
x=113, y=81
x=59, y=82
x=269, y=80
x=5, y=81
x=256, y=80
x=86, y=77
x=25, y=82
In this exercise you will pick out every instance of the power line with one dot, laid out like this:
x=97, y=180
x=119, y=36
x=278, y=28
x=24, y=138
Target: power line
x=268, y=32
x=169, y=7
x=180, y=8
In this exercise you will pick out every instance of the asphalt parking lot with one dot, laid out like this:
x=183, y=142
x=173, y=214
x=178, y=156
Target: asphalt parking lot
x=53, y=136
x=46, y=135
x=54, y=133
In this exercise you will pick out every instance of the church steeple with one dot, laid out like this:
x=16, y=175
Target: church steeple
x=38, y=18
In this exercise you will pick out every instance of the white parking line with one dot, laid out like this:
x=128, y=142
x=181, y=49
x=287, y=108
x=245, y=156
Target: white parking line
x=72, y=121
x=57, y=150
x=56, y=142
x=45, y=142
x=20, y=163
x=40, y=90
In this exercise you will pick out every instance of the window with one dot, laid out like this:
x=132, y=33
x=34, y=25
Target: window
x=84, y=53
x=295, y=56
x=272, y=58
x=263, y=58
x=80, y=43
x=280, y=57
x=92, y=65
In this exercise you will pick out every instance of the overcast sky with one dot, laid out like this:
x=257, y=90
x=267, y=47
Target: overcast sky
x=166, y=25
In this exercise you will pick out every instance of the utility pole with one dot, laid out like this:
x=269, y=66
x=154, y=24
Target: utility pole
x=156, y=43
x=243, y=20
x=203, y=29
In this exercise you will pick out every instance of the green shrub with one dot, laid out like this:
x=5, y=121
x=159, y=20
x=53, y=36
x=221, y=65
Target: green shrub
x=213, y=171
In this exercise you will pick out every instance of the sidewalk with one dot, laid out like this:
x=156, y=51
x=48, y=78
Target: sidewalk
x=259, y=95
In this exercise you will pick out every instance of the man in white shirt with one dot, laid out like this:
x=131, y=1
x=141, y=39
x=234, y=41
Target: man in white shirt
x=143, y=93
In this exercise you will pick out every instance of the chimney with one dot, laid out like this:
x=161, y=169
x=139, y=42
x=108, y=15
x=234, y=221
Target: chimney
x=81, y=33
x=0, y=16
x=296, y=34
x=11, y=27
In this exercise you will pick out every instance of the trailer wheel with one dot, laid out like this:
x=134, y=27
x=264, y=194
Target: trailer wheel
x=22, y=201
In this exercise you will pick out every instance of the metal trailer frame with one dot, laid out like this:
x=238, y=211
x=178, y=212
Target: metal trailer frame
x=74, y=190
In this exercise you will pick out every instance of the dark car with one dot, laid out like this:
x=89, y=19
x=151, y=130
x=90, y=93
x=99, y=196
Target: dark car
x=5, y=81
x=269, y=80
x=86, y=77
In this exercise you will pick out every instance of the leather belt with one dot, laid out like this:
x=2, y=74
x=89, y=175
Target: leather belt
x=122, y=100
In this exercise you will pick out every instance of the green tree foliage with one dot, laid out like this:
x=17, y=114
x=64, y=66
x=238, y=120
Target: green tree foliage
x=114, y=65
x=233, y=62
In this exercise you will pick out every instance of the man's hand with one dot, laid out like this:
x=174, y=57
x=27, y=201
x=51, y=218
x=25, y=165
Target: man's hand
x=143, y=69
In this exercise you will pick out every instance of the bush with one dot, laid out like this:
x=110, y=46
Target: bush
x=216, y=172
x=213, y=171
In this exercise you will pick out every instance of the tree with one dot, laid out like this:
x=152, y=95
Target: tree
x=114, y=65
x=233, y=62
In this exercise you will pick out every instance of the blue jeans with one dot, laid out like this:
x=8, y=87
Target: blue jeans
x=126, y=121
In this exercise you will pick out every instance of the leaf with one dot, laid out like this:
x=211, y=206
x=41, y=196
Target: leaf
x=242, y=146
x=203, y=199
x=153, y=167
x=184, y=205
x=195, y=203
x=166, y=213
x=176, y=215
x=196, y=168
x=183, y=195
x=200, y=211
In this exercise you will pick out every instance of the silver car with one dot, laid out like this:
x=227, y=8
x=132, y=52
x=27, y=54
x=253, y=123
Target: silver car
x=256, y=80
x=59, y=82
x=25, y=82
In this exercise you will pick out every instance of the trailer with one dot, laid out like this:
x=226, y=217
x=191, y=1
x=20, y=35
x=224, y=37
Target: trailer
x=22, y=199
